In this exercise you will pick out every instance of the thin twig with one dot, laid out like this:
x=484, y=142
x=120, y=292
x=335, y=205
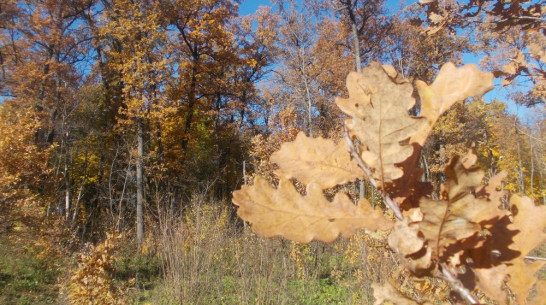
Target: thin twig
x=388, y=201
x=457, y=285
x=535, y=258
x=454, y=282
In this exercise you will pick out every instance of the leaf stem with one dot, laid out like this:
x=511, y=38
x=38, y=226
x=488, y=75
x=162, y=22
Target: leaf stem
x=388, y=201
x=535, y=258
x=457, y=285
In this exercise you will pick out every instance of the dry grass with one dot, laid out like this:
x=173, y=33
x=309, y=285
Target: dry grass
x=208, y=259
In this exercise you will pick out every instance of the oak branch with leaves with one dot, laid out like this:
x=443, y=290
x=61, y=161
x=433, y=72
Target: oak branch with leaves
x=465, y=227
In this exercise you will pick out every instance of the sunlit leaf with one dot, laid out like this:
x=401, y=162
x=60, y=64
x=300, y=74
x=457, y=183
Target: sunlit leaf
x=318, y=161
x=285, y=212
x=380, y=120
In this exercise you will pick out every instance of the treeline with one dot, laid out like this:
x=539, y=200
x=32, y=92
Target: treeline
x=116, y=111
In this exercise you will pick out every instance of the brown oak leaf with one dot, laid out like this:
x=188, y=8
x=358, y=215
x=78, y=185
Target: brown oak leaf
x=287, y=213
x=380, y=120
x=530, y=221
x=405, y=240
x=316, y=160
x=490, y=281
x=451, y=85
x=492, y=185
x=459, y=216
x=387, y=293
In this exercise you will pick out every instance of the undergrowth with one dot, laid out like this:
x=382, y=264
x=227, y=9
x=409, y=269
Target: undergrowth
x=202, y=256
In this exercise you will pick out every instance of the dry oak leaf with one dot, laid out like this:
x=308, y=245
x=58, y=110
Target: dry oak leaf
x=457, y=218
x=285, y=212
x=530, y=221
x=387, y=293
x=358, y=99
x=316, y=160
x=408, y=189
x=516, y=63
x=451, y=85
x=491, y=189
x=522, y=278
x=380, y=120
x=405, y=240
x=490, y=281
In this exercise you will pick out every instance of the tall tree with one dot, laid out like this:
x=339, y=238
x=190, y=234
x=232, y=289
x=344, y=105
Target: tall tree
x=368, y=24
x=42, y=45
x=135, y=29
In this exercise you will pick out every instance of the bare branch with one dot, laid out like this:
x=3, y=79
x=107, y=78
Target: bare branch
x=535, y=258
x=388, y=201
x=457, y=285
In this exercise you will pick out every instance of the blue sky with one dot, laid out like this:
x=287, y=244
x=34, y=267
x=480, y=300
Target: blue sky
x=250, y=6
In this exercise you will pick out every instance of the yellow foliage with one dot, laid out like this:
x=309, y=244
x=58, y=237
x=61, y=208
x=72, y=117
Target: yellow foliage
x=91, y=282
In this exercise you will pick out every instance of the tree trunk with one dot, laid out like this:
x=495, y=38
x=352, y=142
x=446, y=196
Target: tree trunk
x=67, y=198
x=307, y=92
x=358, y=68
x=140, y=182
x=356, y=42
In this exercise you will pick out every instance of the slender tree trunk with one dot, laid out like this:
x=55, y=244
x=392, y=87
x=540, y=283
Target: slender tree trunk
x=532, y=173
x=245, y=179
x=358, y=67
x=520, y=163
x=77, y=204
x=356, y=42
x=140, y=182
x=425, y=167
x=191, y=103
x=307, y=92
x=67, y=198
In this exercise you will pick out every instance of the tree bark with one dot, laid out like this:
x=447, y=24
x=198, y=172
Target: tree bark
x=358, y=67
x=356, y=42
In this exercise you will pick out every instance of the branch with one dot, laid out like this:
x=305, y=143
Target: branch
x=457, y=285
x=389, y=202
x=535, y=258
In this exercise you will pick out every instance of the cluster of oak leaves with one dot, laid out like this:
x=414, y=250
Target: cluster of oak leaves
x=465, y=237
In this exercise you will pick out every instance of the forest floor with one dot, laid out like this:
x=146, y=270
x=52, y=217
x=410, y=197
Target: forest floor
x=205, y=256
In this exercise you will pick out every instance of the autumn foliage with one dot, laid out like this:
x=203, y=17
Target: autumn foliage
x=467, y=228
x=143, y=118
